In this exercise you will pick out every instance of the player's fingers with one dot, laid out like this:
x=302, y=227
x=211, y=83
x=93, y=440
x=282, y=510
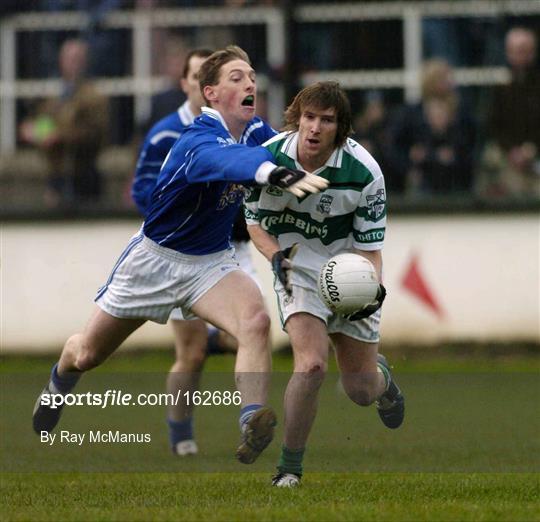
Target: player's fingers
x=305, y=187
x=316, y=181
x=298, y=192
x=313, y=184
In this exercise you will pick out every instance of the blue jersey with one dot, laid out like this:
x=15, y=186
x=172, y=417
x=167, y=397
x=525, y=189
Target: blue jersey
x=199, y=189
x=157, y=144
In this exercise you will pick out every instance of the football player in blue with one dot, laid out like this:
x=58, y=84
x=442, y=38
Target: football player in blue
x=190, y=337
x=182, y=257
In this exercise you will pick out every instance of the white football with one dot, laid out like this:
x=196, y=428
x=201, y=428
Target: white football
x=348, y=282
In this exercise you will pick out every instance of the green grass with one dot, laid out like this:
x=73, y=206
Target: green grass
x=469, y=450
x=245, y=496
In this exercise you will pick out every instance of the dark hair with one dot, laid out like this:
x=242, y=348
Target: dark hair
x=201, y=53
x=211, y=68
x=322, y=95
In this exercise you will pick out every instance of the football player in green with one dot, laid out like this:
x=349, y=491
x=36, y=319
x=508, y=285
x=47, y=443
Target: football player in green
x=298, y=235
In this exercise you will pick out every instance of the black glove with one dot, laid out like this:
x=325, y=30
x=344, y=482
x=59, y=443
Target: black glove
x=284, y=177
x=371, y=308
x=281, y=265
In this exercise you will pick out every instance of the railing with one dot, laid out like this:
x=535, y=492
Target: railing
x=141, y=84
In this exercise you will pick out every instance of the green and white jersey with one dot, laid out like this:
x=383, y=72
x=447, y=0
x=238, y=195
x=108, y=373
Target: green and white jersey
x=350, y=213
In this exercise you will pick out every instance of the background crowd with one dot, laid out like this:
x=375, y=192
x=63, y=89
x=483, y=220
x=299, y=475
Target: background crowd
x=475, y=142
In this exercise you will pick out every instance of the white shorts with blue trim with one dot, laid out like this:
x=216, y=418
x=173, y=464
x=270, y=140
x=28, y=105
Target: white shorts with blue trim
x=307, y=300
x=149, y=281
x=242, y=254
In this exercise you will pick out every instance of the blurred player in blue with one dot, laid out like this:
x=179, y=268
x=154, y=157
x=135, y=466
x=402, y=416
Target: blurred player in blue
x=182, y=256
x=190, y=337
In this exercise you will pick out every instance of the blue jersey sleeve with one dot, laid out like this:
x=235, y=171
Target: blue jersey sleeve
x=208, y=161
x=151, y=157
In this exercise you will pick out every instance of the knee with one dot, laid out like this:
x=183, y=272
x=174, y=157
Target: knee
x=313, y=367
x=191, y=360
x=257, y=324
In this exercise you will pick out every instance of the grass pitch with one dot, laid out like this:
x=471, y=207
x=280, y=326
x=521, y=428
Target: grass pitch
x=247, y=496
x=467, y=451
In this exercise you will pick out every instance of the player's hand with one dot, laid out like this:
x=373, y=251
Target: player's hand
x=371, y=308
x=281, y=266
x=296, y=181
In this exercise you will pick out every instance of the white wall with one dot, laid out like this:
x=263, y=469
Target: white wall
x=484, y=272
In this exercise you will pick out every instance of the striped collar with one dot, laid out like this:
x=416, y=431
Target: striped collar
x=185, y=114
x=253, y=125
x=212, y=113
x=290, y=148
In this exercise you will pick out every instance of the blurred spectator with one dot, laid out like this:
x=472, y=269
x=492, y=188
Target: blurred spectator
x=108, y=48
x=463, y=42
x=173, y=96
x=372, y=132
x=432, y=142
x=70, y=131
x=440, y=39
x=512, y=157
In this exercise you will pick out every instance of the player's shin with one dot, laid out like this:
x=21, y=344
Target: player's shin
x=256, y=420
x=181, y=384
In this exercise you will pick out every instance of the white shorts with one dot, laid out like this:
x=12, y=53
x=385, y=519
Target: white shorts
x=306, y=300
x=242, y=254
x=149, y=280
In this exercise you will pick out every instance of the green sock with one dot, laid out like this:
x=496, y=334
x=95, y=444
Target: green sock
x=290, y=461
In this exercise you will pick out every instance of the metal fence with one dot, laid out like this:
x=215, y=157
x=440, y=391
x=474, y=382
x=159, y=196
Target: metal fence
x=141, y=84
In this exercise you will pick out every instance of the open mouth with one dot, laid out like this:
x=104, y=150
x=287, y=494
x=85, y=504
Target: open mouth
x=313, y=141
x=249, y=101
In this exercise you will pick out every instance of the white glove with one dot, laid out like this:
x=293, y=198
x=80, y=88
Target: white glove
x=296, y=181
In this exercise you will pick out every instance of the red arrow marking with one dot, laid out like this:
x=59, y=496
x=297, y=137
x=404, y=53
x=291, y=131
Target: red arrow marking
x=414, y=282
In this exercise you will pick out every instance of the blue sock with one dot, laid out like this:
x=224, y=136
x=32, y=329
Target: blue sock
x=180, y=430
x=66, y=382
x=246, y=413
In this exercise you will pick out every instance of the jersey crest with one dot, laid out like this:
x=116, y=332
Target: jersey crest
x=274, y=191
x=376, y=205
x=325, y=204
x=231, y=195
